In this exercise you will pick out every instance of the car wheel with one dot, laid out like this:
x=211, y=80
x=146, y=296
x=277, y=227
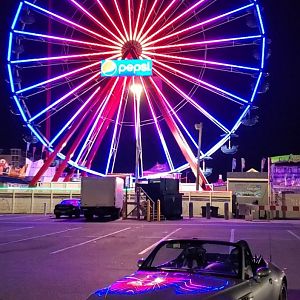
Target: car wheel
x=77, y=215
x=283, y=292
x=57, y=216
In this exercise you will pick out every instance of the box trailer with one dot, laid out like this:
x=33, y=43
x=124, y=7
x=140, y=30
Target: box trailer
x=102, y=197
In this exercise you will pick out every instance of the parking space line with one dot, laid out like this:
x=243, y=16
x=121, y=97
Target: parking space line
x=89, y=241
x=232, y=235
x=16, y=229
x=38, y=236
x=294, y=234
x=153, y=245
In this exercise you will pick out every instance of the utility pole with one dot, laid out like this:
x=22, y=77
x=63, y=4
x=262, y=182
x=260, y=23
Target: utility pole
x=199, y=128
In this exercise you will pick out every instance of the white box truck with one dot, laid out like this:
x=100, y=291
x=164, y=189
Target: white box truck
x=102, y=196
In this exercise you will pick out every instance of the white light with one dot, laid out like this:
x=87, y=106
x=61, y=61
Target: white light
x=137, y=89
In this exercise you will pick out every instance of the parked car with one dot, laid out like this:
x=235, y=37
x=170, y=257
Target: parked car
x=200, y=269
x=68, y=207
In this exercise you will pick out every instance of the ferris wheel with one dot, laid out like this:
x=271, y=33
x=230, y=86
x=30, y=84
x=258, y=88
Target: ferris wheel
x=204, y=63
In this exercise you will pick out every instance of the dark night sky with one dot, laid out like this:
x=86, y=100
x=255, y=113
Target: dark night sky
x=278, y=130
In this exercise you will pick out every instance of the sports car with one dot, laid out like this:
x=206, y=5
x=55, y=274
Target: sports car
x=200, y=269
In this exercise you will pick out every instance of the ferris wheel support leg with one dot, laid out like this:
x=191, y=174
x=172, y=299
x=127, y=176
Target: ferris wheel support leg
x=182, y=143
x=108, y=114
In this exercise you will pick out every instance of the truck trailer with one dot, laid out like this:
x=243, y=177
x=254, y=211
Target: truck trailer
x=102, y=197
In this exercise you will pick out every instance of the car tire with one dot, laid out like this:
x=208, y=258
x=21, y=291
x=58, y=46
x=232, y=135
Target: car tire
x=89, y=216
x=77, y=215
x=57, y=216
x=283, y=292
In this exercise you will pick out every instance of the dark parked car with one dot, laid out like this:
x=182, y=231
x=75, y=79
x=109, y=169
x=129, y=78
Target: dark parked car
x=199, y=269
x=68, y=207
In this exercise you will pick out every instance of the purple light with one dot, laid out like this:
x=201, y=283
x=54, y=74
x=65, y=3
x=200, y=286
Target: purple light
x=198, y=25
x=218, y=41
x=74, y=116
x=64, y=97
x=70, y=22
x=57, y=78
x=175, y=19
x=159, y=131
x=202, y=61
x=204, y=84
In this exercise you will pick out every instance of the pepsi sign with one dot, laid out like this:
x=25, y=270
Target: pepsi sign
x=126, y=67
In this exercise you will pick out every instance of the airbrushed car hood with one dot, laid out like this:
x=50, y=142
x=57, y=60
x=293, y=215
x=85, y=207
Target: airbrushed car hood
x=164, y=285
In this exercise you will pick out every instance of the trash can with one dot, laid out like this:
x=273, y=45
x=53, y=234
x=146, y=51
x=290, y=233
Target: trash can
x=214, y=210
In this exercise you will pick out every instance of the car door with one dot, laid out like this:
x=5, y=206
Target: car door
x=262, y=288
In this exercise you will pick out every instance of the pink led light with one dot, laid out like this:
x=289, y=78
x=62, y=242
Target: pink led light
x=208, y=42
x=196, y=105
x=112, y=21
x=196, y=26
x=121, y=19
x=157, y=20
x=201, y=61
x=202, y=83
x=58, y=38
x=174, y=20
x=97, y=21
x=146, y=21
x=71, y=23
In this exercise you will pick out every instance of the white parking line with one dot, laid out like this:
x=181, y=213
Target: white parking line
x=89, y=241
x=232, y=235
x=16, y=229
x=38, y=236
x=153, y=245
x=294, y=234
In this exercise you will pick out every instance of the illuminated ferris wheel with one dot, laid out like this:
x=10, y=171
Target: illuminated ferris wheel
x=117, y=86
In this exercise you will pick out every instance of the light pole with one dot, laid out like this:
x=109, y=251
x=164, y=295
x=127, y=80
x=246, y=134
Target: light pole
x=137, y=89
x=199, y=128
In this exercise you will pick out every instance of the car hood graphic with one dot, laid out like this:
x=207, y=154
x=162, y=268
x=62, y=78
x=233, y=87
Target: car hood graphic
x=164, y=285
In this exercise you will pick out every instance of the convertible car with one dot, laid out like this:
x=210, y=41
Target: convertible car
x=200, y=269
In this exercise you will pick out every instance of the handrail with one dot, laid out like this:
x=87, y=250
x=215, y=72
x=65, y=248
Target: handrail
x=149, y=208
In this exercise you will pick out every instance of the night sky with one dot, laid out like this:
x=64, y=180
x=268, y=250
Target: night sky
x=278, y=130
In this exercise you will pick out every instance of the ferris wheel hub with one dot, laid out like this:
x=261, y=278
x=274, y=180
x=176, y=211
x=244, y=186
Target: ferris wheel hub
x=132, y=48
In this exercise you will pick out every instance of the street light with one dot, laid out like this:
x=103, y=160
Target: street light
x=137, y=89
x=199, y=128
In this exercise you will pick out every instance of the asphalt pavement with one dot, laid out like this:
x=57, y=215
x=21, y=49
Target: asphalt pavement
x=66, y=259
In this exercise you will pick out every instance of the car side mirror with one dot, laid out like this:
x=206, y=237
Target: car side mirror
x=263, y=272
x=140, y=262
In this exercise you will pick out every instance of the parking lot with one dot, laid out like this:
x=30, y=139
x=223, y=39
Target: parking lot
x=47, y=258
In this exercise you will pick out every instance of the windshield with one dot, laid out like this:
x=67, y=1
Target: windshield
x=196, y=256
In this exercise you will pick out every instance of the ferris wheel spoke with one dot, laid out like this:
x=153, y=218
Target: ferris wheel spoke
x=192, y=102
x=200, y=24
x=63, y=39
x=86, y=12
x=64, y=57
x=138, y=20
x=162, y=14
x=55, y=103
x=57, y=78
x=108, y=115
x=99, y=115
x=114, y=139
x=78, y=112
x=71, y=23
x=201, y=61
x=158, y=129
x=50, y=114
x=168, y=25
x=249, y=38
x=121, y=19
x=146, y=21
x=111, y=20
x=208, y=86
x=172, y=110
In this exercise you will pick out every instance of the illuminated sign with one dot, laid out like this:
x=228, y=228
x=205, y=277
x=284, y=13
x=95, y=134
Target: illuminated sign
x=128, y=67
